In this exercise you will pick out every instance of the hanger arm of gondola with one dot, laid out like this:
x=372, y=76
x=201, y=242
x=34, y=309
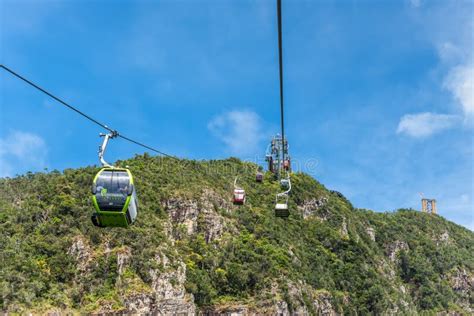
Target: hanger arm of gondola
x=103, y=147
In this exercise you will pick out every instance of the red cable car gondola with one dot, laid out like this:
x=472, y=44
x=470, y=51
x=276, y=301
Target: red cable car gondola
x=239, y=194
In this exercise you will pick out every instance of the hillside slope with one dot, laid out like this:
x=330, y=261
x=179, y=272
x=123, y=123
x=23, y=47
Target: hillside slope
x=192, y=251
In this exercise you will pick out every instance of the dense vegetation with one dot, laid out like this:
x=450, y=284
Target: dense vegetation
x=331, y=250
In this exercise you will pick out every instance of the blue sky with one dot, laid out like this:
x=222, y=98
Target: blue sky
x=379, y=101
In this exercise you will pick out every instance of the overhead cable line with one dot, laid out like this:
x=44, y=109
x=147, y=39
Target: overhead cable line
x=115, y=133
x=280, y=60
x=56, y=98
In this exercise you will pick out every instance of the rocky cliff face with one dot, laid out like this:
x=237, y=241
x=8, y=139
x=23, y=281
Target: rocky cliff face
x=192, y=216
x=462, y=282
x=167, y=294
x=314, y=207
x=393, y=249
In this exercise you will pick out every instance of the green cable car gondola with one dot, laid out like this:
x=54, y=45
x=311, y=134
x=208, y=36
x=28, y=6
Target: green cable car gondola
x=114, y=198
x=113, y=194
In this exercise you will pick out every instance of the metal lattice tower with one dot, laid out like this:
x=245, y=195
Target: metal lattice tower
x=276, y=155
x=428, y=206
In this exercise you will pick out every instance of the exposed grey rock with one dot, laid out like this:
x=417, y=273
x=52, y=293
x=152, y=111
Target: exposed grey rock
x=344, y=232
x=197, y=215
x=403, y=290
x=442, y=239
x=462, y=282
x=168, y=286
x=139, y=303
x=444, y=236
x=212, y=223
x=168, y=282
x=168, y=230
x=81, y=251
x=123, y=258
x=296, y=295
x=213, y=227
x=274, y=306
x=167, y=295
x=173, y=307
x=211, y=201
x=238, y=310
x=396, y=309
x=314, y=207
x=281, y=308
x=371, y=232
x=394, y=248
x=183, y=211
x=322, y=304
x=386, y=268
x=321, y=300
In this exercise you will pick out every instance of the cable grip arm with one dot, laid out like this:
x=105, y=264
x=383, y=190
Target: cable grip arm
x=103, y=147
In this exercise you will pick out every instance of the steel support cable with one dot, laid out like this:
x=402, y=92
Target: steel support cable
x=114, y=132
x=282, y=113
x=57, y=99
x=147, y=147
x=280, y=61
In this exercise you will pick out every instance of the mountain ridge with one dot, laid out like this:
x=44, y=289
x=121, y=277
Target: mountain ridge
x=192, y=251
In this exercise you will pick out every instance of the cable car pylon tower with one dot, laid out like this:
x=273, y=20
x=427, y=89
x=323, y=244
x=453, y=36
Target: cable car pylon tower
x=277, y=155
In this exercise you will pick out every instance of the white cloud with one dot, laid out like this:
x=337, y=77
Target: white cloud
x=425, y=124
x=460, y=82
x=20, y=152
x=450, y=53
x=415, y=3
x=240, y=131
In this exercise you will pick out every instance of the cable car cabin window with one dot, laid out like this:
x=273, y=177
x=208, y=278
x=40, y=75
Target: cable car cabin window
x=112, y=190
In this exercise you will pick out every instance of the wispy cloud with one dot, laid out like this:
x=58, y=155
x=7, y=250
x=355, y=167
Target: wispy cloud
x=425, y=124
x=460, y=82
x=456, y=54
x=453, y=43
x=240, y=131
x=415, y=3
x=21, y=151
x=450, y=53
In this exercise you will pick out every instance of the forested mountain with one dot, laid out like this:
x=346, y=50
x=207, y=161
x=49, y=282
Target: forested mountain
x=191, y=250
